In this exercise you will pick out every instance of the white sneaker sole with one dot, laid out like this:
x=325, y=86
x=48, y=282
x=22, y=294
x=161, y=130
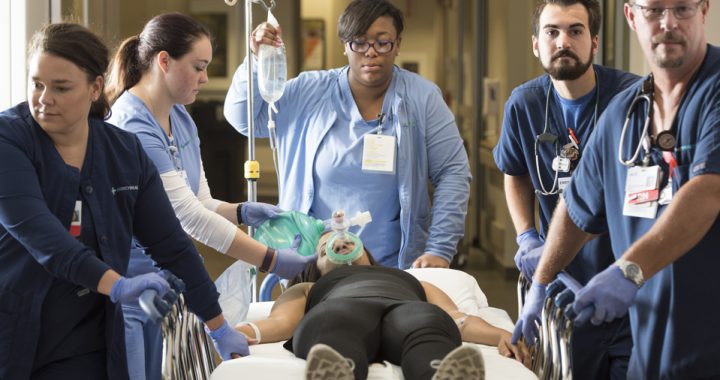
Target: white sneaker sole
x=462, y=363
x=324, y=363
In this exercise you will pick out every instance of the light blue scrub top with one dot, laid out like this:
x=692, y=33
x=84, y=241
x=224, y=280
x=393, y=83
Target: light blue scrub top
x=183, y=154
x=429, y=151
x=674, y=324
x=339, y=162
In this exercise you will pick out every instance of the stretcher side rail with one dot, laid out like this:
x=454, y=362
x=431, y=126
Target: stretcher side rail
x=552, y=352
x=187, y=350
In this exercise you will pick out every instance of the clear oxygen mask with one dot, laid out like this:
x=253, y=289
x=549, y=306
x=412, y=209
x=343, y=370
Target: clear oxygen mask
x=344, y=247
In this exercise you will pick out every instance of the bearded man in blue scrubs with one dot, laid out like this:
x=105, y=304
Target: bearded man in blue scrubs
x=655, y=191
x=546, y=127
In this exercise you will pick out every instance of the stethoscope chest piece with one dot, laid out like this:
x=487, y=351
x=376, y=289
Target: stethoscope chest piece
x=665, y=140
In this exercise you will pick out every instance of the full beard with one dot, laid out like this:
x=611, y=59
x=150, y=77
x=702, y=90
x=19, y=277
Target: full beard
x=567, y=71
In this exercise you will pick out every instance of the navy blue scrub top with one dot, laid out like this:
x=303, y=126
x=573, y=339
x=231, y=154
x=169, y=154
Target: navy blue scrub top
x=515, y=152
x=673, y=322
x=122, y=196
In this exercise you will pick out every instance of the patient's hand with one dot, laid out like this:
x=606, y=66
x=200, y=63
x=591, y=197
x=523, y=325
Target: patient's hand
x=518, y=351
x=429, y=260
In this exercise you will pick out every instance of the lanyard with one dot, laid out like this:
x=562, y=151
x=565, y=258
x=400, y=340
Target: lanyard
x=547, y=137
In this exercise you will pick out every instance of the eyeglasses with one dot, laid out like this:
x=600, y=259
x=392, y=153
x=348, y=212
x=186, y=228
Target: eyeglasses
x=380, y=46
x=681, y=12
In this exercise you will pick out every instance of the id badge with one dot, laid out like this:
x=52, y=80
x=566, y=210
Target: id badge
x=76, y=222
x=641, y=192
x=561, y=164
x=563, y=182
x=666, y=194
x=642, y=178
x=378, y=154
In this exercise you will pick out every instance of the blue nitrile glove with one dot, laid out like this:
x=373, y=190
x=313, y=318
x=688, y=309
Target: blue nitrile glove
x=526, y=241
x=289, y=263
x=129, y=289
x=609, y=292
x=525, y=326
x=255, y=213
x=530, y=260
x=228, y=341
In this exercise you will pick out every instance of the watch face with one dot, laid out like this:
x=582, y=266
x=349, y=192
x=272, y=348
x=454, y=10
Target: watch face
x=665, y=140
x=632, y=271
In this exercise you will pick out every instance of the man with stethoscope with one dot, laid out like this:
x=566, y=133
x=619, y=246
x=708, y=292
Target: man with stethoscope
x=652, y=180
x=547, y=124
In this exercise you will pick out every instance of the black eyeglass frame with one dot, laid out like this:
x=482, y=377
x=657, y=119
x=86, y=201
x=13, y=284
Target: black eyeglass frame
x=353, y=45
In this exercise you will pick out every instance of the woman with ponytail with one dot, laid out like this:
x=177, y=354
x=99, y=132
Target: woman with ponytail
x=154, y=75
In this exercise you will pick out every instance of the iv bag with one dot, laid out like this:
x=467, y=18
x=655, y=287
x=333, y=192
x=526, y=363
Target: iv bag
x=272, y=68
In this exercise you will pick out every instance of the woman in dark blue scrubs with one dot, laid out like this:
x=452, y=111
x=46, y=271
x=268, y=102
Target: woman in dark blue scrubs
x=74, y=191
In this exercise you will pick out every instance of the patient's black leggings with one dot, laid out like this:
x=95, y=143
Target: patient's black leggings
x=368, y=330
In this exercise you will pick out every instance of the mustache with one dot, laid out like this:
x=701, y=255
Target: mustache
x=668, y=36
x=565, y=53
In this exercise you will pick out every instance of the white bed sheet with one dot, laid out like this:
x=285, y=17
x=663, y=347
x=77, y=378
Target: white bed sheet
x=273, y=362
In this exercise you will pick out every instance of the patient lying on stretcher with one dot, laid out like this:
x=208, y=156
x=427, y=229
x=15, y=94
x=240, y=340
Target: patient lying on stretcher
x=352, y=315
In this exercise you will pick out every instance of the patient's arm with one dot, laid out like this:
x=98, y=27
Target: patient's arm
x=475, y=329
x=286, y=313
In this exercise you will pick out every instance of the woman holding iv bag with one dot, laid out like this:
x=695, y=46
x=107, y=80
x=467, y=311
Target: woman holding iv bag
x=154, y=75
x=366, y=136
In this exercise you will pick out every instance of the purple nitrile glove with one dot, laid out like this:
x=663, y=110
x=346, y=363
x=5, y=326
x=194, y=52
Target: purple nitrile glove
x=129, y=289
x=530, y=260
x=527, y=241
x=609, y=292
x=525, y=326
x=228, y=341
x=255, y=213
x=289, y=263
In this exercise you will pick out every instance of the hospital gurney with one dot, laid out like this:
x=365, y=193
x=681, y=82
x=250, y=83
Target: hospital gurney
x=271, y=361
x=552, y=353
x=187, y=350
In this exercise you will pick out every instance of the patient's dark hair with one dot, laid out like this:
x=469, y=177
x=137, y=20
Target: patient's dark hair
x=311, y=273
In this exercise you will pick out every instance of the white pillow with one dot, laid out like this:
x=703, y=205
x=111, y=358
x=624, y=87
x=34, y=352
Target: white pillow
x=462, y=288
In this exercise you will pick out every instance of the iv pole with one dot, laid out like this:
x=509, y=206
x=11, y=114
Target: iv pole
x=252, y=167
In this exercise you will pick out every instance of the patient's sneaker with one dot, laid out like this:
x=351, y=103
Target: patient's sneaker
x=324, y=363
x=462, y=363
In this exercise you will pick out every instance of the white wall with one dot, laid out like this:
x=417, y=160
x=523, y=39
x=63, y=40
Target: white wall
x=18, y=21
x=638, y=64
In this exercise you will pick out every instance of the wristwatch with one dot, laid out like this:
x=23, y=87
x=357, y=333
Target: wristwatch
x=631, y=271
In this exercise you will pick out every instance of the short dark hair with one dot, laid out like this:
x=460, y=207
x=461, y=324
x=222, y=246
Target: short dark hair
x=360, y=14
x=172, y=32
x=591, y=6
x=80, y=46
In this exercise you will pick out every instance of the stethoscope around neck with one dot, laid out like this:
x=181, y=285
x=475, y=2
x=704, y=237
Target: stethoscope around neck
x=547, y=137
x=665, y=139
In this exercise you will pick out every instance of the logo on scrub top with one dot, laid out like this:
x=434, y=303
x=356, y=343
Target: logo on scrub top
x=123, y=188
